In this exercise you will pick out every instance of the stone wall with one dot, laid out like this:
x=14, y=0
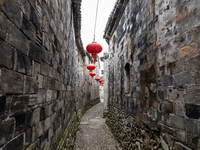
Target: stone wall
x=42, y=72
x=105, y=79
x=154, y=73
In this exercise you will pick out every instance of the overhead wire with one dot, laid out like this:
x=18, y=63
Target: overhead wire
x=95, y=20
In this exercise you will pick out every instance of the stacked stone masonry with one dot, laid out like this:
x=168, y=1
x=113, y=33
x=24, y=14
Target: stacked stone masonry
x=154, y=73
x=43, y=80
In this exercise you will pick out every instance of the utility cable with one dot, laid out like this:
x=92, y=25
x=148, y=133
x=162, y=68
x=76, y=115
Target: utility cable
x=95, y=20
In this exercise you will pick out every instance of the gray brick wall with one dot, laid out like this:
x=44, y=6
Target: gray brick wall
x=42, y=72
x=160, y=41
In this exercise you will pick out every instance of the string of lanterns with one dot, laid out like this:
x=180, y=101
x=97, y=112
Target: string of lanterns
x=94, y=48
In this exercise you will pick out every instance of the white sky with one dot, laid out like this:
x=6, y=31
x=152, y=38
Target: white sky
x=88, y=12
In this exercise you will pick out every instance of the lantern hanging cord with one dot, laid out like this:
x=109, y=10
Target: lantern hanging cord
x=96, y=20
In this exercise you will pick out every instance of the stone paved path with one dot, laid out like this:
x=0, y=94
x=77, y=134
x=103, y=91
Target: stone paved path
x=93, y=132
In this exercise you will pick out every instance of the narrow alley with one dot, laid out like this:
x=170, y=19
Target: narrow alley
x=93, y=133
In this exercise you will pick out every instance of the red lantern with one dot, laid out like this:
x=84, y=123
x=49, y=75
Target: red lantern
x=97, y=79
x=100, y=81
x=91, y=67
x=94, y=48
x=92, y=74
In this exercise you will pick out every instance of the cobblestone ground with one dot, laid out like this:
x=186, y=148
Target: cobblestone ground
x=93, y=132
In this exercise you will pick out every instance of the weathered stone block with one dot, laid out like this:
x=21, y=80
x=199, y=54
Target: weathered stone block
x=28, y=28
x=161, y=94
x=55, y=64
x=47, y=123
x=44, y=138
x=181, y=135
x=57, y=85
x=40, y=81
x=35, y=117
x=192, y=96
x=41, y=95
x=172, y=57
x=45, y=55
x=46, y=83
x=51, y=72
x=24, y=64
x=167, y=107
x=35, y=20
x=29, y=115
x=38, y=130
x=19, y=105
x=191, y=126
x=192, y=111
x=55, y=74
x=46, y=41
x=21, y=64
x=177, y=122
x=175, y=95
x=49, y=96
x=51, y=33
x=6, y=130
x=187, y=50
x=42, y=113
x=5, y=54
x=54, y=115
x=167, y=81
x=12, y=11
x=44, y=68
x=183, y=78
x=35, y=52
x=31, y=85
x=2, y=106
x=47, y=146
x=4, y=26
x=17, y=39
x=52, y=82
x=28, y=137
x=11, y=82
x=36, y=69
x=20, y=123
x=54, y=95
x=179, y=109
x=16, y=144
x=165, y=49
x=50, y=132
